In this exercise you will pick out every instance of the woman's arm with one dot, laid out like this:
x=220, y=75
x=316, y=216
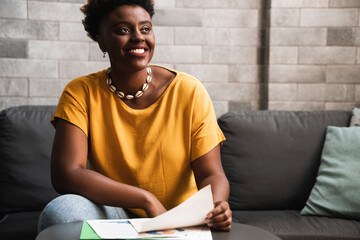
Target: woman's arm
x=69, y=174
x=208, y=170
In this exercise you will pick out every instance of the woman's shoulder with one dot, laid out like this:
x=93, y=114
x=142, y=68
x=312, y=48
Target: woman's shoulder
x=87, y=81
x=189, y=82
x=183, y=78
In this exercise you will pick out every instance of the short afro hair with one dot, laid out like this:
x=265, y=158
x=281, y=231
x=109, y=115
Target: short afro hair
x=97, y=10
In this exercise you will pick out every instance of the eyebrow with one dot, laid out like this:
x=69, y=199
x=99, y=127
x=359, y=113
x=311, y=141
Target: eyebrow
x=144, y=22
x=128, y=23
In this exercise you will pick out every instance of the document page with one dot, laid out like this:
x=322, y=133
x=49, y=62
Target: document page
x=122, y=229
x=192, y=212
x=181, y=222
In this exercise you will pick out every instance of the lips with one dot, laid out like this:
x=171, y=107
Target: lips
x=138, y=50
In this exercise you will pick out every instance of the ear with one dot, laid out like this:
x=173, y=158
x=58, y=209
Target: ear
x=100, y=41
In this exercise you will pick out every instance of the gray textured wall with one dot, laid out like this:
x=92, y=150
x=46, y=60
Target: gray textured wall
x=249, y=54
x=314, y=54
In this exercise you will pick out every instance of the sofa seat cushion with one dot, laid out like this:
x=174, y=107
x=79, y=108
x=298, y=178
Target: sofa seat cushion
x=19, y=225
x=271, y=158
x=290, y=225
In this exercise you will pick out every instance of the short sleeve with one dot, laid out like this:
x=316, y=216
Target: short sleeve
x=72, y=105
x=206, y=133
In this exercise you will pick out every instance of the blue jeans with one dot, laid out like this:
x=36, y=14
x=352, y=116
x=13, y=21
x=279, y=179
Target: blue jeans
x=73, y=208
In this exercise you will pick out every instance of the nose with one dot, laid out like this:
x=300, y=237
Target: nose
x=138, y=36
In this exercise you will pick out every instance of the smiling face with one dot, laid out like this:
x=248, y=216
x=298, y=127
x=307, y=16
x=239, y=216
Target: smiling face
x=127, y=35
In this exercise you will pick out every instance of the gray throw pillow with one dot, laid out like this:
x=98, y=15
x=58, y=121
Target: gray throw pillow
x=336, y=191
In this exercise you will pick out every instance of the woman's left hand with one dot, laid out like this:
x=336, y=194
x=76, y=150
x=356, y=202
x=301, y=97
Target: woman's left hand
x=220, y=218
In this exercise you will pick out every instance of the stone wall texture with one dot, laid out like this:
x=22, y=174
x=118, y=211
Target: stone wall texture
x=249, y=54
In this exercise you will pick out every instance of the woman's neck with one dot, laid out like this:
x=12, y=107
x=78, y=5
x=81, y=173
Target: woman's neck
x=128, y=81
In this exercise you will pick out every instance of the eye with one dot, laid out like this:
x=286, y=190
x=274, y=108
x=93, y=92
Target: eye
x=122, y=30
x=145, y=29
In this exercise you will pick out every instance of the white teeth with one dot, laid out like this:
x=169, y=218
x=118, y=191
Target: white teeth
x=141, y=50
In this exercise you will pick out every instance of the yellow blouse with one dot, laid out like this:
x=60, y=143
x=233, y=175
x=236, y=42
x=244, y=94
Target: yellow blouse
x=149, y=148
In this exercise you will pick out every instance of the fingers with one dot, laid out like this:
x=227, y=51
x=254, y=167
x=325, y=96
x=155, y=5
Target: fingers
x=220, y=207
x=220, y=217
x=223, y=226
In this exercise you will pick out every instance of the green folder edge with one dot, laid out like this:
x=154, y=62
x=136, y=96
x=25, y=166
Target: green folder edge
x=87, y=232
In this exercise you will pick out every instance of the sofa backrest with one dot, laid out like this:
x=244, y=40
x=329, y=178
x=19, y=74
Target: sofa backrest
x=271, y=158
x=26, y=137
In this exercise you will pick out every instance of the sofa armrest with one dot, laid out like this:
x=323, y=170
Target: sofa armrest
x=26, y=137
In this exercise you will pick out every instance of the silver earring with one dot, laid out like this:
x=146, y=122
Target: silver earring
x=104, y=54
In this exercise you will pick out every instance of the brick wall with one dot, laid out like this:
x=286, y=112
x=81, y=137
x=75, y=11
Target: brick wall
x=294, y=54
x=314, y=54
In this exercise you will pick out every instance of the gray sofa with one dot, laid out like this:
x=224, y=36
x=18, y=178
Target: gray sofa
x=25, y=147
x=271, y=159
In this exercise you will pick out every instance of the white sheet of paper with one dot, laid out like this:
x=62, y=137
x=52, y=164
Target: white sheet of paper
x=192, y=212
x=198, y=233
x=112, y=229
x=122, y=229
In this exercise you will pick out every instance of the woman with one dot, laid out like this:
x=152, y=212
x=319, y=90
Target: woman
x=150, y=133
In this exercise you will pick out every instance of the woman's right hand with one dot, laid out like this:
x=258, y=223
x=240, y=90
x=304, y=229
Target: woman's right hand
x=153, y=206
